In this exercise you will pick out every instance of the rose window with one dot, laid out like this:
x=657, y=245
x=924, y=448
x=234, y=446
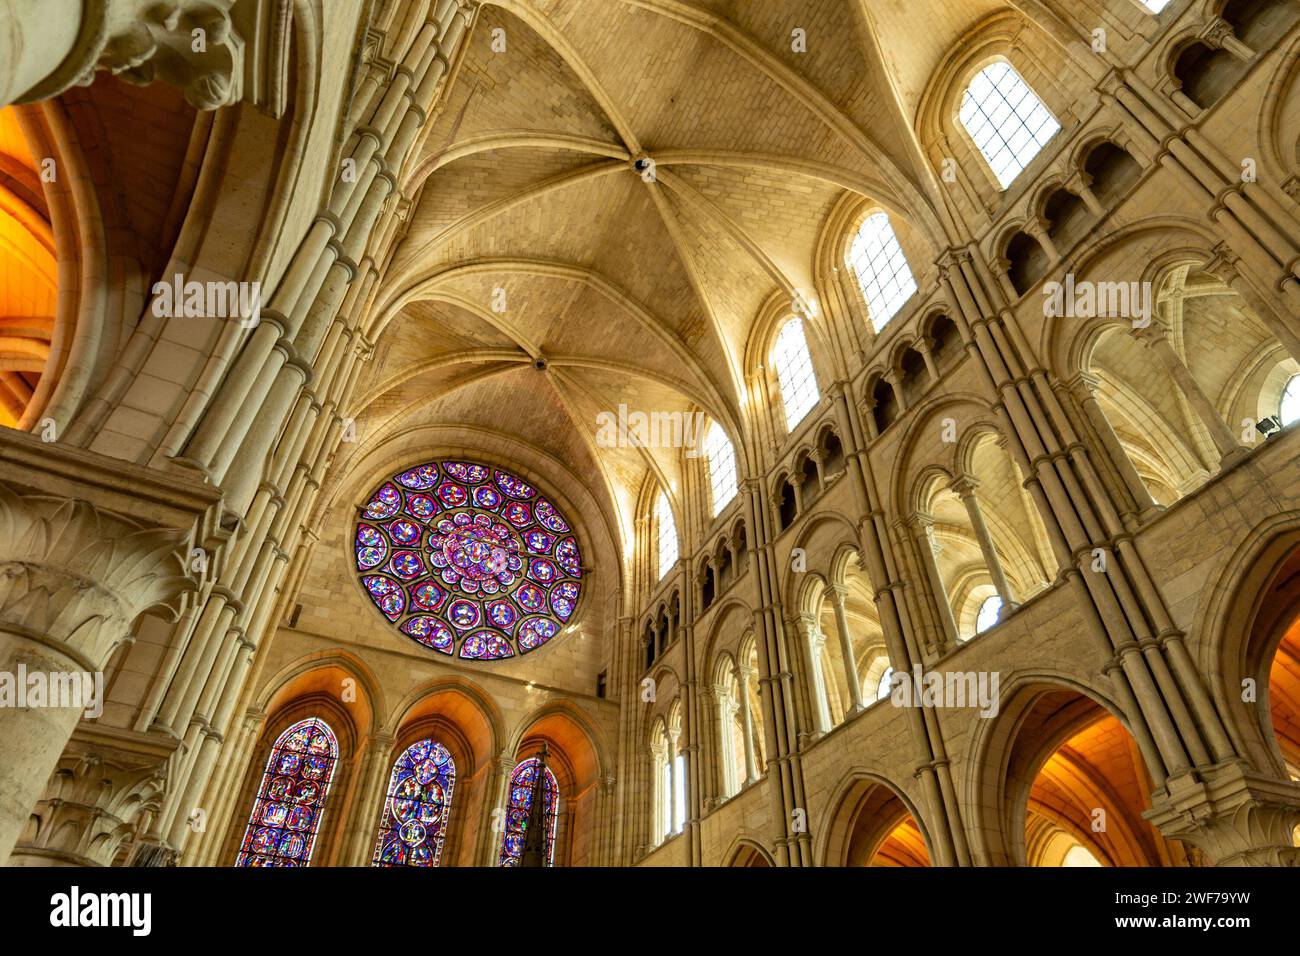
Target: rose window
x=468, y=560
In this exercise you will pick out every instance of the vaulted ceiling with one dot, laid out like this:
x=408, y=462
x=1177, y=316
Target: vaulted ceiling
x=533, y=236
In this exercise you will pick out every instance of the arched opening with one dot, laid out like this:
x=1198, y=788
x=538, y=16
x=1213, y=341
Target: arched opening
x=285, y=818
x=832, y=450
x=413, y=825
x=872, y=826
x=945, y=343
x=884, y=406
x=1111, y=170
x=1068, y=219
x=913, y=376
x=1182, y=393
x=1027, y=262
x=29, y=291
x=1008, y=122
x=1258, y=23
x=787, y=505
x=749, y=856
x=1067, y=772
x=571, y=757
x=1206, y=74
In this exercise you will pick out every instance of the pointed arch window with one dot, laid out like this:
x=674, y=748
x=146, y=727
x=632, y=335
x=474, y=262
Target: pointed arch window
x=413, y=826
x=1006, y=119
x=519, y=802
x=882, y=270
x=794, y=373
x=662, y=785
x=1289, y=407
x=721, y=458
x=287, y=811
x=666, y=532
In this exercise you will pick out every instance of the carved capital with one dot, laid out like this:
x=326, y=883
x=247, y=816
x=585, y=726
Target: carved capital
x=1234, y=816
x=190, y=44
x=76, y=578
x=102, y=796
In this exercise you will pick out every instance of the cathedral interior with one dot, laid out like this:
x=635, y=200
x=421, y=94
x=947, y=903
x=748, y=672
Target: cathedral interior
x=673, y=433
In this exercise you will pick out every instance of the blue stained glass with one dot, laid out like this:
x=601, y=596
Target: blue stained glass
x=287, y=811
x=459, y=553
x=521, y=799
x=413, y=826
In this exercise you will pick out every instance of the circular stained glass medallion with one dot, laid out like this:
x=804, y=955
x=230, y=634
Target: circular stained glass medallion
x=469, y=560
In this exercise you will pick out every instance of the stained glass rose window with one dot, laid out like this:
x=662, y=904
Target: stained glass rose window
x=468, y=560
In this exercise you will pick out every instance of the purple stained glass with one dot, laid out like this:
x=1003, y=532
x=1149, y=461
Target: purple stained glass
x=466, y=471
x=286, y=813
x=430, y=631
x=387, y=595
x=564, y=600
x=418, y=478
x=406, y=565
x=384, y=503
x=486, y=646
x=404, y=532
x=536, y=631
x=513, y=486
x=457, y=554
x=549, y=517
x=413, y=826
x=521, y=799
x=566, y=552
x=539, y=542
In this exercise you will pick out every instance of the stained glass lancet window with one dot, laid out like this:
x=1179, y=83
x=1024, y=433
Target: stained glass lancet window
x=468, y=560
x=414, y=823
x=286, y=814
x=1006, y=119
x=721, y=457
x=519, y=801
x=794, y=372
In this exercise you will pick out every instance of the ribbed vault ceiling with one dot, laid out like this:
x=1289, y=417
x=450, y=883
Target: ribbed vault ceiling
x=635, y=292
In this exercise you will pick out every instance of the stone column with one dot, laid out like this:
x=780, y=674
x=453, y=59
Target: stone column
x=72, y=582
x=1155, y=336
x=743, y=674
x=727, y=710
x=1037, y=229
x=846, y=649
x=813, y=641
x=921, y=525
x=964, y=488
x=674, y=822
x=104, y=794
x=1085, y=387
x=925, y=346
x=1081, y=185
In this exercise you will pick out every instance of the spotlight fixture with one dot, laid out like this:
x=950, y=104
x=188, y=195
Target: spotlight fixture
x=1269, y=426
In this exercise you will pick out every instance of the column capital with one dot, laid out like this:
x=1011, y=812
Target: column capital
x=143, y=42
x=964, y=485
x=77, y=578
